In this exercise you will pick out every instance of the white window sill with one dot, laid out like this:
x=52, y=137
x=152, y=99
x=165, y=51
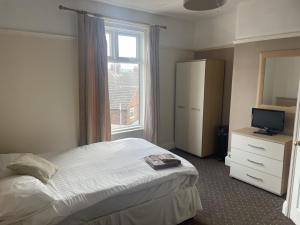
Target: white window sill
x=136, y=132
x=128, y=130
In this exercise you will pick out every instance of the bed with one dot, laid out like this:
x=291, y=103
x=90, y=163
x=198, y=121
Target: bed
x=105, y=183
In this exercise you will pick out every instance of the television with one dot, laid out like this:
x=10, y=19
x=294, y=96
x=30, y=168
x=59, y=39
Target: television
x=269, y=121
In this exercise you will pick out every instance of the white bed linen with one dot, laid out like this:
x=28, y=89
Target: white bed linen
x=171, y=209
x=21, y=196
x=90, y=174
x=122, y=204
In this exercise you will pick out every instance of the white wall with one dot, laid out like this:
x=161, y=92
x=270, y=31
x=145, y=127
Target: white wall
x=215, y=32
x=38, y=93
x=252, y=20
x=44, y=16
x=257, y=18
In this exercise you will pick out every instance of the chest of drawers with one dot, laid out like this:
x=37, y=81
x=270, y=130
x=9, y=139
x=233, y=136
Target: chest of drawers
x=261, y=160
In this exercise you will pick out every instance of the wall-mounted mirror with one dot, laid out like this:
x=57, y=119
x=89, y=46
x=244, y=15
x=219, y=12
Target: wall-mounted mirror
x=278, y=80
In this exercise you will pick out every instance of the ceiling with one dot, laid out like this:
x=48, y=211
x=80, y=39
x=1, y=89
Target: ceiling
x=172, y=8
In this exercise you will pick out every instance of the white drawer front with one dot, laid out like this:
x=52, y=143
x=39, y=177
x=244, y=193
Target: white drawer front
x=257, y=178
x=265, y=148
x=261, y=163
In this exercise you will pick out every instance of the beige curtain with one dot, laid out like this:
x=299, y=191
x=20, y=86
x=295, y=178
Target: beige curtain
x=93, y=78
x=152, y=88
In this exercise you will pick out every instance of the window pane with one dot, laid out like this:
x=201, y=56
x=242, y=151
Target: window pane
x=124, y=94
x=108, y=41
x=127, y=46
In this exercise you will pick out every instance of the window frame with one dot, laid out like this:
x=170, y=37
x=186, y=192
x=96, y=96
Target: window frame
x=110, y=43
x=140, y=35
x=128, y=59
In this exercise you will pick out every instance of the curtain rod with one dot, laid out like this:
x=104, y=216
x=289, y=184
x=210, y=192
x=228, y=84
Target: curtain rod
x=101, y=16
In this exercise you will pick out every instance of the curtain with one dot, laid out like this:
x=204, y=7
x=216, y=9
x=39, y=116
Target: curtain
x=93, y=81
x=152, y=88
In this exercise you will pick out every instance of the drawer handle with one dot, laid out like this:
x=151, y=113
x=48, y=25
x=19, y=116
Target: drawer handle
x=256, y=163
x=196, y=109
x=255, y=178
x=257, y=147
x=180, y=107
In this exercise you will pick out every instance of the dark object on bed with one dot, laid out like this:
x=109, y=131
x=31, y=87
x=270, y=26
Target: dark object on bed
x=162, y=161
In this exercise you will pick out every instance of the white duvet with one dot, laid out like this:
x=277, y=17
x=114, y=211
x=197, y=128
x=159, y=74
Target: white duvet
x=90, y=174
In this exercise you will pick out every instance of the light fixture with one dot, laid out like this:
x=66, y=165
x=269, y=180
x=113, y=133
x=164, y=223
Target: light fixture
x=201, y=5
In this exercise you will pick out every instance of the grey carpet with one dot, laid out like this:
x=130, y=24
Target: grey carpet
x=227, y=201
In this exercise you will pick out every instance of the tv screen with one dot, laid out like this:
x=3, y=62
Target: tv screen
x=271, y=120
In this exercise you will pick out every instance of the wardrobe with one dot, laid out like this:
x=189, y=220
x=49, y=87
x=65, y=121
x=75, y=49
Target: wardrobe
x=199, y=98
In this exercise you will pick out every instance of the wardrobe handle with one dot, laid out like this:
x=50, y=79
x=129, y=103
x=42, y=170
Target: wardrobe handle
x=253, y=146
x=255, y=178
x=196, y=109
x=180, y=107
x=257, y=163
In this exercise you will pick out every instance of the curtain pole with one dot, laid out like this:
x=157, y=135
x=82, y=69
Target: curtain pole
x=101, y=16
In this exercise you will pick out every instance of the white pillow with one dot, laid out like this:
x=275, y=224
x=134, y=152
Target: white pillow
x=21, y=196
x=33, y=165
x=5, y=160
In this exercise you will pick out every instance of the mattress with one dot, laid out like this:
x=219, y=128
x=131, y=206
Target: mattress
x=103, y=178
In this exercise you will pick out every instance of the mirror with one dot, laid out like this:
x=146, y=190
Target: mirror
x=279, y=80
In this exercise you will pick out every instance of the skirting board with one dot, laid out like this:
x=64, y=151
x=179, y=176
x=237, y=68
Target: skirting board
x=285, y=208
x=227, y=160
x=167, y=146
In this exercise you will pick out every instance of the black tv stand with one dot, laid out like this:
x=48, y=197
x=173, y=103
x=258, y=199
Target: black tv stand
x=265, y=132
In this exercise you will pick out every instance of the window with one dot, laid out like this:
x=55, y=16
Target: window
x=125, y=50
x=127, y=46
x=108, y=39
x=131, y=113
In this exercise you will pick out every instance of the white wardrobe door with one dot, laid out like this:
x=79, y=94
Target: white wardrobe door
x=196, y=100
x=181, y=107
x=181, y=135
x=194, y=132
x=181, y=85
x=196, y=80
